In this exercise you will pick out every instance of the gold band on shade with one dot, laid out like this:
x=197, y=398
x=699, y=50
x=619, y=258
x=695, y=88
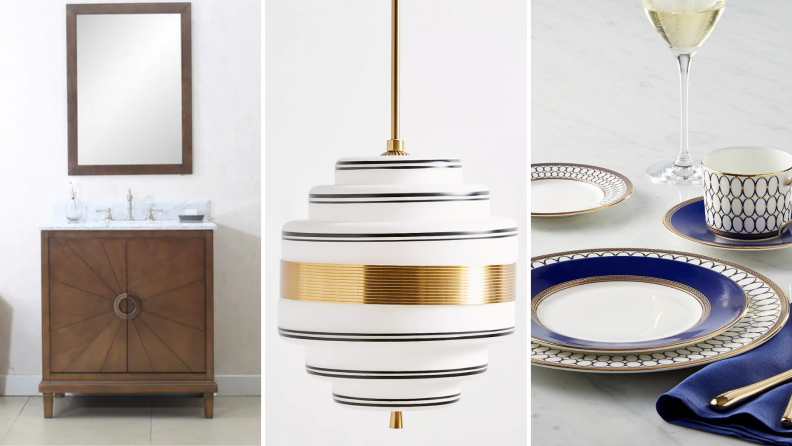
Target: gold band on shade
x=397, y=285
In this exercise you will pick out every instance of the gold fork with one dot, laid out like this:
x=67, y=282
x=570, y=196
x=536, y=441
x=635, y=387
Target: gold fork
x=736, y=397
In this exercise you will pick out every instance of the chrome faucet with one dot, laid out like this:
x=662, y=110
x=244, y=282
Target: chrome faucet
x=129, y=206
x=108, y=214
x=150, y=213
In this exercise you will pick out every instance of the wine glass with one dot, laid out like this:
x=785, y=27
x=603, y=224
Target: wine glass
x=684, y=25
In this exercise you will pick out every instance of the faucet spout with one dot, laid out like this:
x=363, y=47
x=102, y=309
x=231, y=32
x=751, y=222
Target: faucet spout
x=129, y=206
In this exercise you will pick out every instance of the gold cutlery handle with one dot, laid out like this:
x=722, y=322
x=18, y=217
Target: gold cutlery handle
x=786, y=420
x=734, y=397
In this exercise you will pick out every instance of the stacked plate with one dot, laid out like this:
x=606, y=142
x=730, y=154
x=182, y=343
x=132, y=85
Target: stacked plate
x=641, y=310
x=564, y=189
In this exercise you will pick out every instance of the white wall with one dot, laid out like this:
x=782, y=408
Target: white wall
x=226, y=120
x=327, y=96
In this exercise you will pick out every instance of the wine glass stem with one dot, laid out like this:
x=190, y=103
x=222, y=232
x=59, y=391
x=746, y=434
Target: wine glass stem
x=683, y=165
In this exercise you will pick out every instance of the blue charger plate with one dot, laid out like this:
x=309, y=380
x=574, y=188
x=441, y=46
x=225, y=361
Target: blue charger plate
x=723, y=300
x=687, y=220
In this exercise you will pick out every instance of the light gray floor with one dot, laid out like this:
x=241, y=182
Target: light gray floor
x=84, y=420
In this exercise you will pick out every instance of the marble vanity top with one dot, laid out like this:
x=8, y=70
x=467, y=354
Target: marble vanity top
x=128, y=226
x=167, y=216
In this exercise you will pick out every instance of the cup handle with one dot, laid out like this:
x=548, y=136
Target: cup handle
x=786, y=225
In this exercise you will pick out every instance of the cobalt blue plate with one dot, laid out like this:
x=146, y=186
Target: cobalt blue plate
x=687, y=220
x=723, y=302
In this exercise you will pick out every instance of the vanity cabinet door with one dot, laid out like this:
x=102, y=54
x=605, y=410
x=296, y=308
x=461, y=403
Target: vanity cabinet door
x=168, y=334
x=85, y=278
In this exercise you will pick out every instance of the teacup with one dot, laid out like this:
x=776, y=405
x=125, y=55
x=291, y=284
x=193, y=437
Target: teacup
x=747, y=192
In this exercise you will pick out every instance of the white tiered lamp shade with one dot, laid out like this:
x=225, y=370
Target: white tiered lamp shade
x=398, y=282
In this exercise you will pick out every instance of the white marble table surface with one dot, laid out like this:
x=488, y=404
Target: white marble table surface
x=605, y=92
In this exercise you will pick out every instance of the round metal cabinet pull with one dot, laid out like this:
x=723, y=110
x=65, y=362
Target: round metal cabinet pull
x=133, y=299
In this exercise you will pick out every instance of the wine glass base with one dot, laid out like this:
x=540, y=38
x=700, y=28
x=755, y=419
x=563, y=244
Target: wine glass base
x=663, y=173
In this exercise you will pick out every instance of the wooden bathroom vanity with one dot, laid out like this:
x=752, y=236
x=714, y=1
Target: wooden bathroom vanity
x=127, y=312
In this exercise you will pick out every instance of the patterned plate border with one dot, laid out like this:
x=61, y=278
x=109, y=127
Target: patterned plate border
x=616, y=186
x=735, y=245
x=768, y=310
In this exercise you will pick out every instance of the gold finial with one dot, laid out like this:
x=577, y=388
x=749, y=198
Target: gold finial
x=396, y=420
x=395, y=145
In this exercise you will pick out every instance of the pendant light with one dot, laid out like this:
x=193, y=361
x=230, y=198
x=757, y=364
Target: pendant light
x=399, y=279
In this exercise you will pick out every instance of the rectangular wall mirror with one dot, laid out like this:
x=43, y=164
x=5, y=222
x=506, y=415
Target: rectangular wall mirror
x=129, y=80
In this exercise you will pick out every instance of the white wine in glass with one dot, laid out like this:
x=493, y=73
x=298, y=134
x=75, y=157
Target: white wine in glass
x=684, y=25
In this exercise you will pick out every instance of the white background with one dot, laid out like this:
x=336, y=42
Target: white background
x=605, y=91
x=464, y=94
x=226, y=45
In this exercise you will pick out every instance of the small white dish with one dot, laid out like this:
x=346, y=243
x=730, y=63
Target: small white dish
x=646, y=312
x=563, y=189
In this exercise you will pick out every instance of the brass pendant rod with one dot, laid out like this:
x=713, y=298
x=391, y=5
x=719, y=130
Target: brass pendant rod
x=395, y=71
x=395, y=145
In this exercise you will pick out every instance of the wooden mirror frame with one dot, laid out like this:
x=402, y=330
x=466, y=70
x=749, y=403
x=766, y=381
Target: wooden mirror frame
x=186, y=83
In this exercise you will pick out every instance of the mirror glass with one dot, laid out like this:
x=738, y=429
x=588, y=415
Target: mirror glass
x=129, y=89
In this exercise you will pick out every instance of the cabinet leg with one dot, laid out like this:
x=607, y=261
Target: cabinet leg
x=48, y=402
x=60, y=395
x=208, y=405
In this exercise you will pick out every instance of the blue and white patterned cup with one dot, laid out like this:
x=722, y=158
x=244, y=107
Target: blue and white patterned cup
x=747, y=193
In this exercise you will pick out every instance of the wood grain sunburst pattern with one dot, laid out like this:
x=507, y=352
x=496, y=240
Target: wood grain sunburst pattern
x=167, y=275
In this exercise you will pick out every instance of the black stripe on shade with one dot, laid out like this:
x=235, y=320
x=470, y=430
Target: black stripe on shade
x=335, y=395
x=416, y=194
x=453, y=375
x=441, y=403
x=393, y=334
x=346, y=163
x=311, y=338
x=399, y=201
x=394, y=234
x=409, y=240
x=399, y=167
x=391, y=372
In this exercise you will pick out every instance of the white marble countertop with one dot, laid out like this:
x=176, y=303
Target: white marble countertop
x=605, y=92
x=167, y=217
x=128, y=226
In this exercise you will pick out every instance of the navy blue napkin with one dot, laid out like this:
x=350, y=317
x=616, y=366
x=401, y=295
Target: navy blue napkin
x=758, y=419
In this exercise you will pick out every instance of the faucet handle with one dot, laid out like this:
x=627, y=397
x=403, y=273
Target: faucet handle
x=150, y=213
x=108, y=214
